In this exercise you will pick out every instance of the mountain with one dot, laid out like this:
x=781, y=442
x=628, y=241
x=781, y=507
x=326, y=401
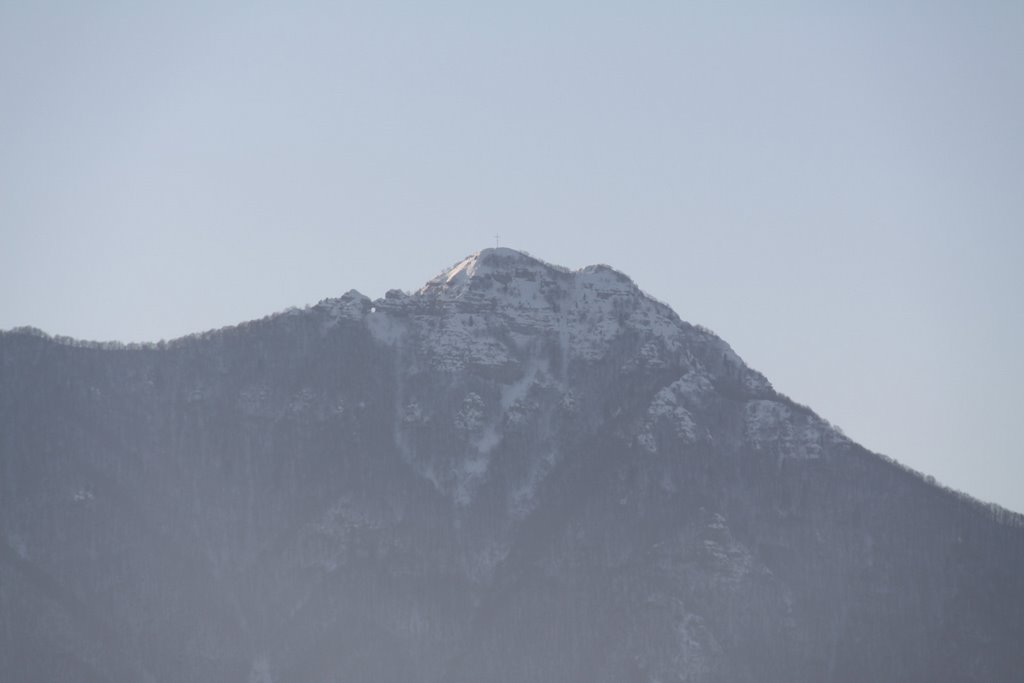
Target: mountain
x=518, y=473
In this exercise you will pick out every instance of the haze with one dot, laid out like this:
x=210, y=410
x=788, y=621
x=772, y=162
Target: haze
x=836, y=191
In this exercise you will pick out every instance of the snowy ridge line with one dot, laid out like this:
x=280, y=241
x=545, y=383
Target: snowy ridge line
x=445, y=274
x=333, y=305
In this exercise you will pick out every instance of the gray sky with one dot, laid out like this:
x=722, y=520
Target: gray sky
x=837, y=189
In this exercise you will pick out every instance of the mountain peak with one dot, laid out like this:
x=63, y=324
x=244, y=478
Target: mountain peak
x=500, y=262
x=492, y=306
x=510, y=268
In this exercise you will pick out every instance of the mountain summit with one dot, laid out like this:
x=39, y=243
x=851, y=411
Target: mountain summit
x=506, y=276
x=517, y=473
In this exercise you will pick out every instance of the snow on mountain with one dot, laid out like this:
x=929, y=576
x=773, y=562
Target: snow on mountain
x=517, y=473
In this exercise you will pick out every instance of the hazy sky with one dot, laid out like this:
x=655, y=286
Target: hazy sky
x=837, y=189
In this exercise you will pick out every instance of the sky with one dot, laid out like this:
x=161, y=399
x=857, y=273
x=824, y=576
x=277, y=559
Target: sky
x=836, y=189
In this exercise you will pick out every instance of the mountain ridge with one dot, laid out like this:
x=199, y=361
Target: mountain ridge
x=483, y=265
x=516, y=473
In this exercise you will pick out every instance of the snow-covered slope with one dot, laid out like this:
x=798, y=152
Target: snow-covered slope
x=502, y=292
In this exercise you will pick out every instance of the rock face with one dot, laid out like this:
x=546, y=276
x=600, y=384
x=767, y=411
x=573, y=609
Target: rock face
x=518, y=473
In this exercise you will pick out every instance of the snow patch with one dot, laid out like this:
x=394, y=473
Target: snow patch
x=350, y=306
x=524, y=298
x=82, y=496
x=732, y=561
x=523, y=498
x=776, y=427
x=301, y=401
x=667, y=410
x=385, y=328
x=471, y=416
